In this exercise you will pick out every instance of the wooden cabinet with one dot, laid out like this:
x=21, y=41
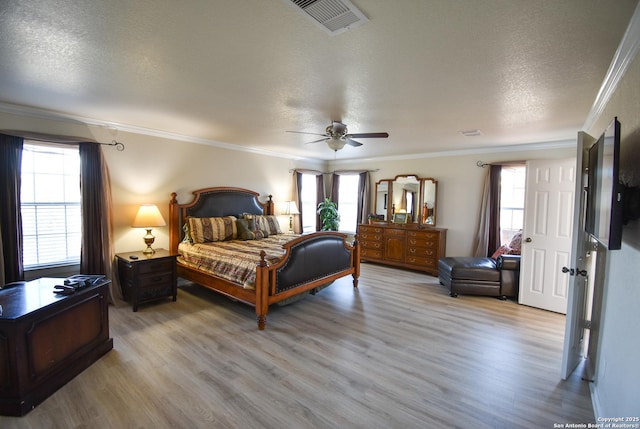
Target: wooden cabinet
x=47, y=339
x=147, y=277
x=403, y=245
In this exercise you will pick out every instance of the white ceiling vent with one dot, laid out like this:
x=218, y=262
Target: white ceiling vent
x=334, y=16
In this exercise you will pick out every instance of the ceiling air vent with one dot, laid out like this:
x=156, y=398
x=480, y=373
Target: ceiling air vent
x=334, y=16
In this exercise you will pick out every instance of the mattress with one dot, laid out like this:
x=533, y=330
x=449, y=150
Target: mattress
x=234, y=260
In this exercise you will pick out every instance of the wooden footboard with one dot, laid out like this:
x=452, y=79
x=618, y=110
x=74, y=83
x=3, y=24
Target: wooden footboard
x=310, y=261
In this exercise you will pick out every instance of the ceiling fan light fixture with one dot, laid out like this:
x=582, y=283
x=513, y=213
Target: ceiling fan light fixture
x=336, y=144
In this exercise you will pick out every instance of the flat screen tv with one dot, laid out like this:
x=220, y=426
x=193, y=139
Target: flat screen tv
x=604, y=195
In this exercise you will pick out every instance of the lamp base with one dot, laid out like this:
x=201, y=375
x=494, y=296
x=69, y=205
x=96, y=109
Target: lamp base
x=148, y=240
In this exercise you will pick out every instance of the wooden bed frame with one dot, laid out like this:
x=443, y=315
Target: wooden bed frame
x=310, y=261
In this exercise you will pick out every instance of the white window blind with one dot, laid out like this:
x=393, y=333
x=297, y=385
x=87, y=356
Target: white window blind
x=50, y=205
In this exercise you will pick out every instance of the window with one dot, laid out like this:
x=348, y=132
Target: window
x=308, y=202
x=348, y=202
x=512, y=184
x=50, y=205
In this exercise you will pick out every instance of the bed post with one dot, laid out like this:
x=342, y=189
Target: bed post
x=174, y=227
x=270, y=206
x=356, y=260
x=262, y=290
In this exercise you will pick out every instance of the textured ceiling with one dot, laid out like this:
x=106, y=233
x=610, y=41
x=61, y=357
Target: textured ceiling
x=244, y=72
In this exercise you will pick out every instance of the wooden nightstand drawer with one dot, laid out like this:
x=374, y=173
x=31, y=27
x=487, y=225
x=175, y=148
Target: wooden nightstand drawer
x=154, y=267
x=156, y=279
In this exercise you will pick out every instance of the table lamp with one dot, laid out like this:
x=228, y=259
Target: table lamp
x=290, y=209
x=148, y=217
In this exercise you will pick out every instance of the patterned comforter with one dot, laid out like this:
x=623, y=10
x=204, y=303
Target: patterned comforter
x=234, y=260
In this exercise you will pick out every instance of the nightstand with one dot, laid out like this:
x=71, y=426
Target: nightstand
x=147, y=277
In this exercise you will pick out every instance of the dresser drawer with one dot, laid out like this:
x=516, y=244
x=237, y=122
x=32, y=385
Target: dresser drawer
x=369, y=229
x=422, y=242
x=422, y=252
x=422, y=262
x=395, y=232
x=371, y=253
x=370, y=244
x=423, y=235
x=370, y=236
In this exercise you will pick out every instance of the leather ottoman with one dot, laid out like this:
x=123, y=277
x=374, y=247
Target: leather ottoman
x=481, y=276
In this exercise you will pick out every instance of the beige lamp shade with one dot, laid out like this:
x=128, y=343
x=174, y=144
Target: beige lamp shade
x=148, y=216
x=290, y=208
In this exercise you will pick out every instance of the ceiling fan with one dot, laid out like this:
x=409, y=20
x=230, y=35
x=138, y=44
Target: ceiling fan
x=336, y=136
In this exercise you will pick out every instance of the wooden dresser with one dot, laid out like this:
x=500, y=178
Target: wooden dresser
x=403, y=245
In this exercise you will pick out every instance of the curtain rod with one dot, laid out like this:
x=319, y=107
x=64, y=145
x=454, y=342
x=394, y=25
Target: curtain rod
x=331, y=172
x=119, y=146
x=58, y=139
x=483, y=164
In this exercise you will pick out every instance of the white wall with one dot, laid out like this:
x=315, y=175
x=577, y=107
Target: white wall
x=616, y=389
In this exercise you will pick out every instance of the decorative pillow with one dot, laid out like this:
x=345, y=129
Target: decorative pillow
x=516, y=243
x=209, y=229
x=256, y=224
x=268, y=223
x=187, y=233
x=501, y=251
x=247, y=231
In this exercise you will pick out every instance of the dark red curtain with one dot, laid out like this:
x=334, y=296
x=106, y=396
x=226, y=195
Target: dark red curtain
x=319, y=198
x=494, y=209
x=10, y=217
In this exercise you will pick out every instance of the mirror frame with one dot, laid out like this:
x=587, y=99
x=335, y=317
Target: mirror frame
x=422, y=210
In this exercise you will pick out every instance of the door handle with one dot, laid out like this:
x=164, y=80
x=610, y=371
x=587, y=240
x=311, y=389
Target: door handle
x=574, y=272
x=528, y=240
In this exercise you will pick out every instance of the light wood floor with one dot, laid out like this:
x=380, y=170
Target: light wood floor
x=396, y=353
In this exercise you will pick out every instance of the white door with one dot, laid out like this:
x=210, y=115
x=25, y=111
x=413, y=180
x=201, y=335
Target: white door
x=548, y=228
x=574, y=333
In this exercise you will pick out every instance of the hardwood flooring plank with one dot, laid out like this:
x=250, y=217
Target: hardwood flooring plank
x=396, y=352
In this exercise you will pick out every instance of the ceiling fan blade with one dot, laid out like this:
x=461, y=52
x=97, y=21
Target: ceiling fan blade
x=317, y=141
x=353, y=142
x=368, y=135
x=302, y=132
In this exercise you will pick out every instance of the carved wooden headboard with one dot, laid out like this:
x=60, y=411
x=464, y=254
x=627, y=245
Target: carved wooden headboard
x=213, y=202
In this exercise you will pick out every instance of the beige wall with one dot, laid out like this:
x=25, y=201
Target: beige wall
x=151, y=168
x=460, y=184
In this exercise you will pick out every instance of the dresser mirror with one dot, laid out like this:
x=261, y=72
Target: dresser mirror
x=408, y=196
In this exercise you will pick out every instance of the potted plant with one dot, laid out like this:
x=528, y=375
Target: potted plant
x=371, y=217
x=328, y=211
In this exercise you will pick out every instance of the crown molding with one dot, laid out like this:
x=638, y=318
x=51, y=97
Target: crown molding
x=624, y=56
x=558, y=144
x=63, y=117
